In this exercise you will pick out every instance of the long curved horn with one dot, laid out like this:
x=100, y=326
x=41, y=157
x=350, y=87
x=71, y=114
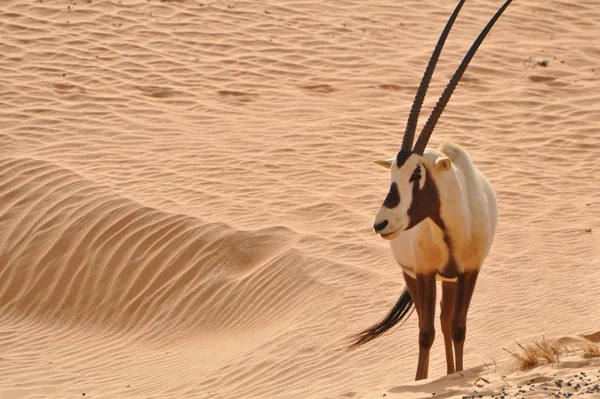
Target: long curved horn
x=445, y=97
x=413, y=117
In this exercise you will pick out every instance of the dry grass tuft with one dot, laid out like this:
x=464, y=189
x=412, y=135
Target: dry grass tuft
x=527, y=359
x=590, y=349
x=544, y=352
x=539, y=351
x=547, y=351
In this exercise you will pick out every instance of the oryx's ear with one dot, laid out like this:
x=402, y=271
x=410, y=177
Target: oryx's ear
x=387, y=163
x=443, y=164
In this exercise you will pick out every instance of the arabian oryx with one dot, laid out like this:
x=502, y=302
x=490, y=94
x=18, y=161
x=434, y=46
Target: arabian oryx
x=440, y=217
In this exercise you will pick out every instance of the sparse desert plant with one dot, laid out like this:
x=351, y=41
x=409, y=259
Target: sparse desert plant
x=527, y=359
x=538, y=351
x=547, y=351
x=590, y=349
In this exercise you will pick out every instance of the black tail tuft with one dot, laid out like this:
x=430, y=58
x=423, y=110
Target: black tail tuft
x=400, y=309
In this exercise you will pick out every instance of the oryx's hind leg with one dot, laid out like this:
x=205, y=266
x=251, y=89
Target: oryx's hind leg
x=465, y=286
x=422, y=289
x=446, y=317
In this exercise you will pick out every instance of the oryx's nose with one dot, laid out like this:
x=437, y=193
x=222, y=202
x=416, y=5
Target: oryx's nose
x=380, y=226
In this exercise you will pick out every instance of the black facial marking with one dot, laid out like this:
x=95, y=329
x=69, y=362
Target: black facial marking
x=416, y=176
x=393, y=198
x=402, y=157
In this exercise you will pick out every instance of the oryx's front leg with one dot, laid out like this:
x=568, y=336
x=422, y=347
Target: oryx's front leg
x=464, y=292
x=425, y=304
x=446, y=316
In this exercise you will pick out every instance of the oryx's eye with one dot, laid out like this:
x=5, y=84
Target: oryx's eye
x=416, y=175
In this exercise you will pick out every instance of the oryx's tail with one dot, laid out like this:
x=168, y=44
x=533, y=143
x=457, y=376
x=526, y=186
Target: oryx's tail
x=398, y=312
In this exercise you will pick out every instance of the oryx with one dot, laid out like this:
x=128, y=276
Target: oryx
x=440, y=216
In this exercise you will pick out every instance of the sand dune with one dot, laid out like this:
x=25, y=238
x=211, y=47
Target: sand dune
x=186, y=192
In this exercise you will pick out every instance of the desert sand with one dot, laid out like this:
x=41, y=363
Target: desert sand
x=187, y=194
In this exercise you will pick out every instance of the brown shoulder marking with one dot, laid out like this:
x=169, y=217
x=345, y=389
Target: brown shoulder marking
x=426, y=203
